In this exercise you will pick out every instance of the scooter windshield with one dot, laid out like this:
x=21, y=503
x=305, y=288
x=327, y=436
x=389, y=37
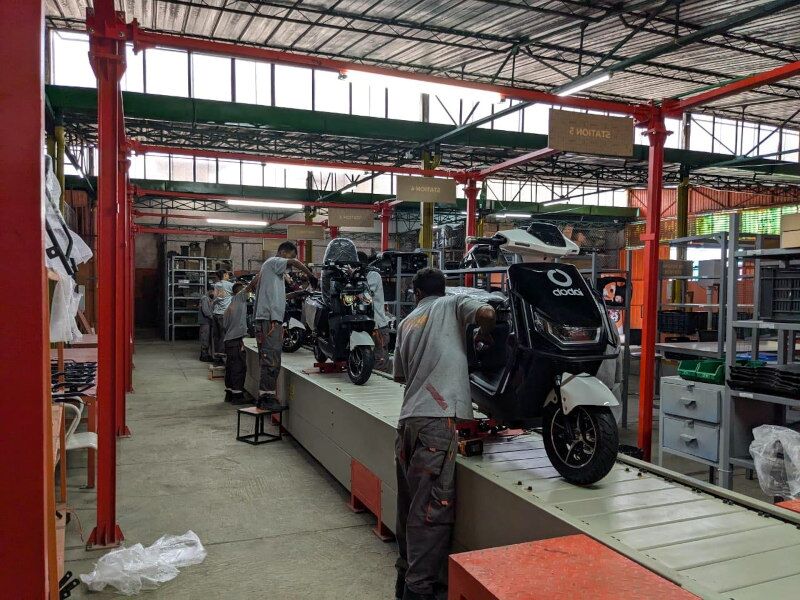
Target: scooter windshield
x=557, y=291
x=341, y=250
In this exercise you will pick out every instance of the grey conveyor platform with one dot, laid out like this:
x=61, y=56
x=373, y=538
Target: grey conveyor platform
x=712, y=542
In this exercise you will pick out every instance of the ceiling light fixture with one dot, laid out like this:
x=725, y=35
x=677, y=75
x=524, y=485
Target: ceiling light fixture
x=514, y=215
x=240, y=222
x=582, y=84
x=265, y=204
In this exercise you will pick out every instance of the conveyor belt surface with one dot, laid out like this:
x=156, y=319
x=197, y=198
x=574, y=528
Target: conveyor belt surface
x=712, y=542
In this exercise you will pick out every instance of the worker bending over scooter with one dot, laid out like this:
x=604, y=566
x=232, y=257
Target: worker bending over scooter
x=431, y=359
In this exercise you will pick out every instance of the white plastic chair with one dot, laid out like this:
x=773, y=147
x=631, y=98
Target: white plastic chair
x=73, y=439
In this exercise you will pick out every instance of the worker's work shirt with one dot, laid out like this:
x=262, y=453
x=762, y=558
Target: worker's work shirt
x=205, y=312
x=224, y=292
x=235, y=319
x=375, y=287
x=431, y=357
x=271, y=292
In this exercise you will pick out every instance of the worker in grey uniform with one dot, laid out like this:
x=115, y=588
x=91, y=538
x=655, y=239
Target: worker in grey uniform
x=381, y=332
x=223, y=290
x=431, y=359
x=235, y=321
x=205, y=316
x=270, y=305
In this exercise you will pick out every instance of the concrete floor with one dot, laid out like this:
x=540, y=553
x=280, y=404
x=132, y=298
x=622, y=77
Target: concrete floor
x=274, y=523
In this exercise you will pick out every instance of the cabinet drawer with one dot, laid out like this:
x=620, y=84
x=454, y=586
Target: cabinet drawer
x=691, y=437
x=693, y=400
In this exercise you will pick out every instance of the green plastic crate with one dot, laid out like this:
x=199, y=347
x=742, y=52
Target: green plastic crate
x=706, y=371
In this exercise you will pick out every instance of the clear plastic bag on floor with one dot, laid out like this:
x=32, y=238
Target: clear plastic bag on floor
x=776, y=454
x=137, y=568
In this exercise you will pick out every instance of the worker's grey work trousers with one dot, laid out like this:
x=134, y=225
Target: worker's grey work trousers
x=425, y=453
x=381, y=338
x=235, y=365
x=205, y=337
x=218, y=336
x=269, y=335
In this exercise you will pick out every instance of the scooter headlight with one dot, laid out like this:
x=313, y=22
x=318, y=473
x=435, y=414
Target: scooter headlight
x=566, y=334
x=348, y=299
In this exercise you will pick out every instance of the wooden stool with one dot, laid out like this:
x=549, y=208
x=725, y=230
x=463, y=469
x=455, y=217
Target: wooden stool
x=563, y=568
x=259, y=435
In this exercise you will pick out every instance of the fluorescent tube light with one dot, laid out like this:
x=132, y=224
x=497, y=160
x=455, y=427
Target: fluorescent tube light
x=514, y=215
x=265, y=204
x=574, y=88
x=240, y=222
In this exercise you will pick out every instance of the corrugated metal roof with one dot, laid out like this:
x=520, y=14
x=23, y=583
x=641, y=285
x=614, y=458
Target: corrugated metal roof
x=472, y=39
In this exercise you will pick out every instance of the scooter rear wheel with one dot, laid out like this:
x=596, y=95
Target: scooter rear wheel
x=319, y=355
x=582, y=445
x=360, y=362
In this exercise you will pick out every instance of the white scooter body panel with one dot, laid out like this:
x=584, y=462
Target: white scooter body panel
x=582, y=390
x=360, y=338
x=295, y=324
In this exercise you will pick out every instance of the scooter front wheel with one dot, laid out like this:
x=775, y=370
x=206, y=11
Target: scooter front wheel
x=293, y=338
x=319, y=355
x=582, y=445
x=360, y=362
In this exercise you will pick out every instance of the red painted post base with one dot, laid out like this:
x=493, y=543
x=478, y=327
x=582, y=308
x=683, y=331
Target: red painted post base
x=365, y=494
x=100, y=539
x=124, y=432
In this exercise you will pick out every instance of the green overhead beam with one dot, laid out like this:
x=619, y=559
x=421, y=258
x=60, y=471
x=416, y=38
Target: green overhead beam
x=191, y=110
x=74, y=182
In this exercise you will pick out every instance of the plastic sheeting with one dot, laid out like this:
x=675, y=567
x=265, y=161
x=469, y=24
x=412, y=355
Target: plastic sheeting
x=475, y=294
x=137, y=568
x=341, y=250
x=66, y=302
x=776, y=454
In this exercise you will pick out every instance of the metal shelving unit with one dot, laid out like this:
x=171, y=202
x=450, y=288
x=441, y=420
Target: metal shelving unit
x=744, y=410
x=183, y=289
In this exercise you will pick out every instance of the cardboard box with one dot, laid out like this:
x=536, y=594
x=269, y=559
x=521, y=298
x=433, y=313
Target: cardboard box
x=790, y=231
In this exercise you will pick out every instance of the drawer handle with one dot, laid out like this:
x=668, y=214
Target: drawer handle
x=688, y=401
x=688, y=439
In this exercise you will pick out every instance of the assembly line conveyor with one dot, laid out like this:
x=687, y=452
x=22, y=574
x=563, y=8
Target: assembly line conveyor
x=712, y=542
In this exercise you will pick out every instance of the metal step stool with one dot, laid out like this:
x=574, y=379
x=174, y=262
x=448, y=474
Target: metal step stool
x=259, y=435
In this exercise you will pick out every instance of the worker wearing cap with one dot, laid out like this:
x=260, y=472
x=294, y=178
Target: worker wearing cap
x=223, y=291
x=235, y=321
x=431, y=359
x=268, y=311
x=381, y=332
x=205, y=317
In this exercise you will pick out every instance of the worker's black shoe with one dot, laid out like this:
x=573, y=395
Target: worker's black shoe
x=238, y=398
x=206, y=357
x=227, y=395
x=409, y=595
x=269, y=402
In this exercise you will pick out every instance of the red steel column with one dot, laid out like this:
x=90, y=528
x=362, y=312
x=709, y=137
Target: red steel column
x=28, y=546
x=471, y=192
x=107, y=55
x=386, y=216
x=658, y=135
x=123, y=276
x=131, y=290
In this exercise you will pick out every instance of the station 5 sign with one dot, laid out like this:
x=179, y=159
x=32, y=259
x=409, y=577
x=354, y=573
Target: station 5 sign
x=590, y=134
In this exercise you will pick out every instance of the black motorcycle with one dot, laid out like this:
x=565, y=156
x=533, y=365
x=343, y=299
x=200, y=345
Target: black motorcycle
x=551, y=337
x=339, y=319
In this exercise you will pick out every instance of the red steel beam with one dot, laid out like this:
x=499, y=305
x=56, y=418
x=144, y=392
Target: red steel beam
x=657, y=134
x=123, y=320
x=148, y=39
x=139, y=229
x=140, y=192
x=540, y=154
x=28, y=546
x=674, y=108
x=141, y=148
x=107, y=53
